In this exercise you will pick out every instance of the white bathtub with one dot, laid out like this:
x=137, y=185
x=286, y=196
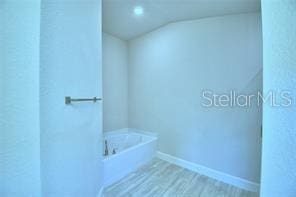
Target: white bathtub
x=133, y=148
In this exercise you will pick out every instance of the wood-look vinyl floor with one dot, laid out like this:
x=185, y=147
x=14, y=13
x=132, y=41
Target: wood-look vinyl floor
x=162, y=179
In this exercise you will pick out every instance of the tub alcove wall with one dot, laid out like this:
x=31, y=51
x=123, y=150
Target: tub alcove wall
x=157, y=81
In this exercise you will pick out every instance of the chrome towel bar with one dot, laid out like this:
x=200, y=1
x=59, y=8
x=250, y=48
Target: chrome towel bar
x=69, y=100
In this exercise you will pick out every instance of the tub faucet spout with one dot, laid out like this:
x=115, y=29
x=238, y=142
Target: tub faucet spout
x=106, y=148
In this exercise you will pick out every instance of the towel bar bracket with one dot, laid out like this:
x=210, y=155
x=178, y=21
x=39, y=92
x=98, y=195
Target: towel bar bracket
x=69, y=100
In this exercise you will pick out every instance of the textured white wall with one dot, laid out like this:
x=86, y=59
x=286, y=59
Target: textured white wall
x=19, y=99
x=71, y=141
x=169, y=68
x=279, y=136
x=115, y=83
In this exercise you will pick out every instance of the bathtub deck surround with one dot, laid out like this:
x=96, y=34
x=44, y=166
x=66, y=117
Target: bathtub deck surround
x=160, y=178
x=125, y=151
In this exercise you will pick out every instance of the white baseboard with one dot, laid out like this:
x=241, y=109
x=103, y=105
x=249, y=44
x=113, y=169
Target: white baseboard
x=223, y=177
x=100, y=194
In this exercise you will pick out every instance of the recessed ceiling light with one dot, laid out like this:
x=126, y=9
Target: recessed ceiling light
x=138, y=10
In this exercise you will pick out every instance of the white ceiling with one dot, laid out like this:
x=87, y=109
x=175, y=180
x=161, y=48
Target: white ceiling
x=119, y=19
